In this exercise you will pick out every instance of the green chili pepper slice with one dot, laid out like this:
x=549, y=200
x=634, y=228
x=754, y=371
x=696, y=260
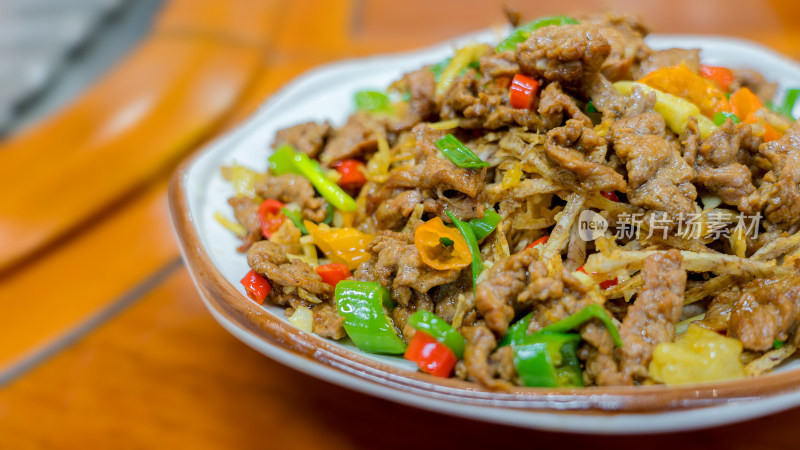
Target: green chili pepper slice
x=593, y=311
x=373, y=101
x=469, y=236
x=286, y=160
x=297, y=219
x=516, y=332
x=361, y=304
x=548, y=360
x=484, y=227
x=521, y=33
x=721, y=116
x=788, y=103
x=329, y=209
x=440, y=330
x=459, y=154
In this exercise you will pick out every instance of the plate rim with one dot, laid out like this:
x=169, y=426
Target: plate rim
x=599, y=407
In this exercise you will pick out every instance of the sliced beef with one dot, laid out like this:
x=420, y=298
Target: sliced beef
x=480, y=345
x=658, y=177
x=288, y=188
x=668, y=58
x=754, y=81
x=564, y=53
x=555, y=105
x=572, y=146
x=498, y=293
x=766, y=310
x=479, y=104
x=434, y=173
x=422, y=107
x=355, y=139
x=462, y=206
x=652, y=317
x=718, y=314
x=271, y=261
x=327, y=321
x=397, y=265
x=625, y=34
x=306, y=137
x=779, y=193
x=245, y=210
x=393, y=213
x=496, y=65
x=717, y=163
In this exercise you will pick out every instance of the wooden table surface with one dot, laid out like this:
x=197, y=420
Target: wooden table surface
x=106, y=344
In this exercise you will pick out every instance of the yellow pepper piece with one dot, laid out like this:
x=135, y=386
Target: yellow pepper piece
x=698, y=356
x=682, y=82
x=342, y=245
x=675, y=110
x=428, y=240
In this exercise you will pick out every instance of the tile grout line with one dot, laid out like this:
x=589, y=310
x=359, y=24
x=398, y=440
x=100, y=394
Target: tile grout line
x=117, y=306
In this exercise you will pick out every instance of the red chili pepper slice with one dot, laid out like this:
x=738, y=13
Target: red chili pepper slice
x=541, y=240
x=721, y=75
x=610, y=195
x=256, y=286
x=269, y=212
x=352, y=173
x=523, y=91
x=431, y=356
x=333, y=273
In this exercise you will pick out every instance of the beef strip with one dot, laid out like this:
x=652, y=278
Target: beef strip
x=393, y=213
x=480, y=345
x=245, y=210
x=434, y=173
x=717, y=159
x=570, y=147
x=564, y=53
x=718, y=314
x=624, y=34
x=779, y=193
x=327, y=321
x=555, y=104
x=289, y=188
x=355, y=139
x=496, y=65
x=420, y=86
x=397, y=265
x=658, y=177
x=306, y=137
x=766, y=310
x=479, y=104
x=652, y=317
x=271, y=261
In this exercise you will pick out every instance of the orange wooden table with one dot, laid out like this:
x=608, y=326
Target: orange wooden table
x=106, y=344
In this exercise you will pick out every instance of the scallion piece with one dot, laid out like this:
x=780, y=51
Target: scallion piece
x=459, y=154
x=296, y=217
x=776, y=344
x=326, y=188
x=469, y=236
x=722, y=116
x=484, y=227
x=788, y=102
x=438, y=69
x=373, y=101
x=521, y=33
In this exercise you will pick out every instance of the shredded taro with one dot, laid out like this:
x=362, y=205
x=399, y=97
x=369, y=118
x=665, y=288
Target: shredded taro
x=568, y=208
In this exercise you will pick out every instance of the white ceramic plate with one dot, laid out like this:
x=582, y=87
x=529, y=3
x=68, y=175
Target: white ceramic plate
x=198, y=191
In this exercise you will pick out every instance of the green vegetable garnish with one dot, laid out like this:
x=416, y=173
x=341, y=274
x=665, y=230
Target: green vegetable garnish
x=296, y=217
x=484, y=227
x=522, y=32
x=777, y=344
x=722, y=116
x=447, y=242
x=287, y=160
x=459, y=154
x=469, y=236
x=361, y=304
x=789, y=101
x=373, y=101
